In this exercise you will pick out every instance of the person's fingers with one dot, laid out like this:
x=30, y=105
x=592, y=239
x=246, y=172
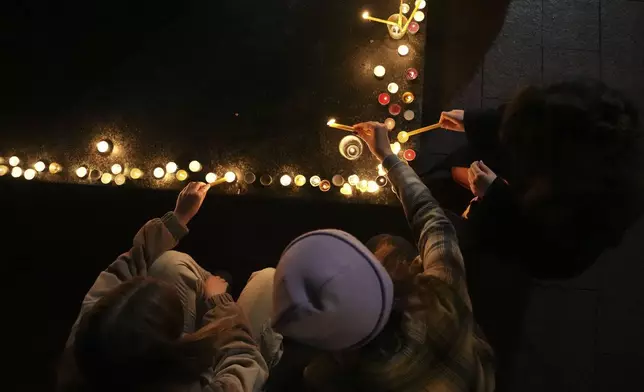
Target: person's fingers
x=361, y=129
x=476, y=168
x=445, y=120
x=191, y=186
x=484, y=168
x=204, y=188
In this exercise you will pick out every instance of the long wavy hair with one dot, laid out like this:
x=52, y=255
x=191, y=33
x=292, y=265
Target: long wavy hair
x=132, y=339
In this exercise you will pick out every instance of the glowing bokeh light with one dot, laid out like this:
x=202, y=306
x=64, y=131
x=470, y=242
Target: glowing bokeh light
x=30, y=174
x=158, y=172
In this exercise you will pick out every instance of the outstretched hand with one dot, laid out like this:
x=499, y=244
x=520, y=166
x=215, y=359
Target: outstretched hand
x=190, y=200
x=376, y=135
x=453, y=120
x=480, y=178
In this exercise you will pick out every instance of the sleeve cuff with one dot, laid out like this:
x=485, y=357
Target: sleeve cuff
x=218, y=300
x=390, y=161
x=176, y=228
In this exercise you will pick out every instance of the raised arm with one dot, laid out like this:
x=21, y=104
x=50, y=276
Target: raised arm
x=433, y=231
x=154, y=238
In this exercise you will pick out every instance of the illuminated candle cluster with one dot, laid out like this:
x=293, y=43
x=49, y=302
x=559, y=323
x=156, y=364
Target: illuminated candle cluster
x=405, y=19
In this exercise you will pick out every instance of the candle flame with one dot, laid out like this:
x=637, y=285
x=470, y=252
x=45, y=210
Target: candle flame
x=365, y=15
x=331, y=121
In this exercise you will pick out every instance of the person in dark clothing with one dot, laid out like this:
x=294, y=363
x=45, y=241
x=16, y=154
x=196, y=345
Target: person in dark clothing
x=562, y=177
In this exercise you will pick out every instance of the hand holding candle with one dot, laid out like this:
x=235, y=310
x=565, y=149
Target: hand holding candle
x=376, y=135
x=190, y=200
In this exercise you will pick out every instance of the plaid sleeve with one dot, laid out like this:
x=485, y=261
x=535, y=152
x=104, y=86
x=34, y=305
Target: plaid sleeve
x=433, y=231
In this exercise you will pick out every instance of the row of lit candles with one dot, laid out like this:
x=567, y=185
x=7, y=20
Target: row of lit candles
x=117, y=174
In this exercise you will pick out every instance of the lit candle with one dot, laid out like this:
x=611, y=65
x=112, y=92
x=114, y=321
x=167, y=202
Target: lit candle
x=135, y=173
x=395, y=148
x=381, y=181
x=230, y=177
x=181, y=175
x=413, y=28
x=211, y=177
x=119, y=179
x=171, y=167
x=409, y=115
x=403, y=137
x=158, y=172
x=419, y=16
x=392, y=88
x=325, y=185
x=30, y=174
x=381, y=170
x=286, y=180
x=365, y=15
x=104, y=146
x=300, y=180
x=346, y=190
x=372, y=187
x=249, y=178
x=315, y=181
x=411, y=74
x=81, y=172
x=394, y=109
x=194, y=166
x=384, y=99
x=117, y=169
x=14, y=161
x=403, y=50
x=353, y=180
x=16, y=172
x=40, y=166
x=55, y=168
x=3, y=170
x=337, y=180
x=409, y=155
x=106, y=178
x=333, y=124
x=390, y=123
x=379, y=71
x=408, y=97
x=410, y=17
x=404, y=8
x=363, y=185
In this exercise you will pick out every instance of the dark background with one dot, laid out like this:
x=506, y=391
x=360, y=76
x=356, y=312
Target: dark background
x=237, y=85
x=63, y=64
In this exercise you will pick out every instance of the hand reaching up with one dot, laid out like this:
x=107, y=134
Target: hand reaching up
x=376, y=135
x=480, y=178
x=453, y=120
x=190, y=200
